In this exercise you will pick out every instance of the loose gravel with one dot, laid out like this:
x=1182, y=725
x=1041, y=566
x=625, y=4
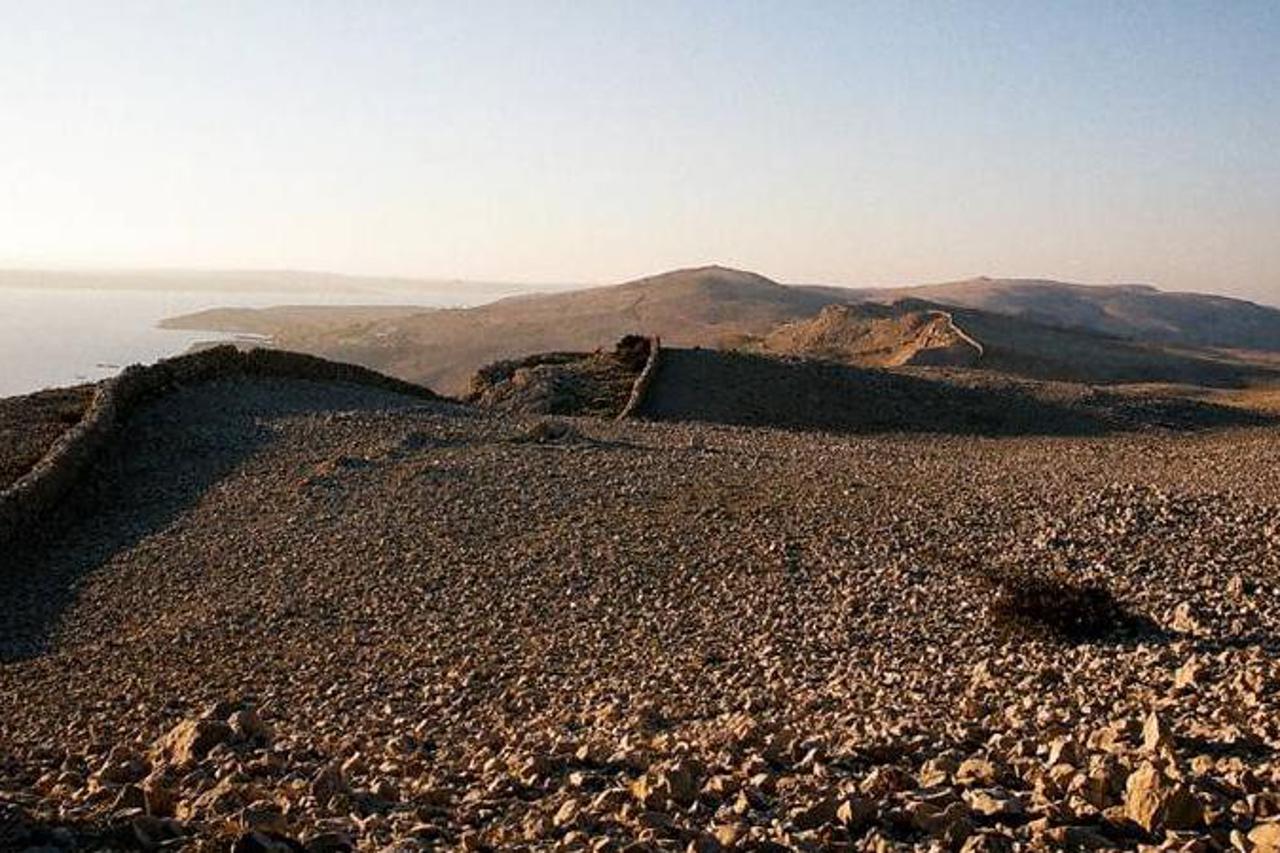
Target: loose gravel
x=31, y=423
x=292, y=616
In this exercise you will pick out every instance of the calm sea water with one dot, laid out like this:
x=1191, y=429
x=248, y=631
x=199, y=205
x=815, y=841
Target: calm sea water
x=53, y=337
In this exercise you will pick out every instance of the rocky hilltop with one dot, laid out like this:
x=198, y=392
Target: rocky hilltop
x=878, y=337
x=285, y=614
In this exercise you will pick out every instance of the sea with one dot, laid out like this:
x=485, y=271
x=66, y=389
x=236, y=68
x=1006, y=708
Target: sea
x=58, y=336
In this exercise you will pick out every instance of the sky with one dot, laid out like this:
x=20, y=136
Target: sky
x=847, y=142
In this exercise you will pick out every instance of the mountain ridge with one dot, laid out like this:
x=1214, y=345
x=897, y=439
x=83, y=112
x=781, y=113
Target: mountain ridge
x=1047, y=330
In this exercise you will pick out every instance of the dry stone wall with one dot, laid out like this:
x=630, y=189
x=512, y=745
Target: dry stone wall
x=33, y=496
x=640, y=390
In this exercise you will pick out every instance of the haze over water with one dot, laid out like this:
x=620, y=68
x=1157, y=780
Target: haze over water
x=55, y=336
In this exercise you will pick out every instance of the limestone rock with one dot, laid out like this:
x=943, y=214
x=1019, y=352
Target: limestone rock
x=1155, y=802
x=1265, y=838
x=191, y=740
x=1156, y=736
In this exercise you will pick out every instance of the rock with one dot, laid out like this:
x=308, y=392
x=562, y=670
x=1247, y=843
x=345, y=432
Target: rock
x=190, y=740
x=981, y=676
x=222, y=800
x=719, y=787
x=1064, y=750
x=677, y=782
x=385, y=790
x=886, y=779
x=993, y=802
x=248, y=726
x=728, y=834
x=160, y=790
x=567, y=814
x=937, y=771
x=819, y=813
x=123, y=766
x=1186, y=619
x=1102, y=783
x=855, y=812
x=609, y=801
x=1076, y=838
x=978, y=771
x=328, y=783
x=1265, y=838
x=130, y=797
x=704, y=843
x=263, y=816
x=1156, y=736
x=1188, y=675
x=682, y=780
x=329, y=842
x=266, y=842
x=950, y=825
x=151, y=833
x=1155, y=802
x=646, y=792
x=988, y=842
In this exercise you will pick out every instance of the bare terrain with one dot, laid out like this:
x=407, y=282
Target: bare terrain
x=444, y=348
x=30, y=424
x=1043, y=330
x=288, y=615
x=1134, y=311
x=872, y=336
x=863, y=576
x=822, y=394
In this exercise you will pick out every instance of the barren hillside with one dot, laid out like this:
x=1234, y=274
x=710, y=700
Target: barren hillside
x=442, y=349
x=801, y=393
x=1042, y=330
x=287, y=615
x=1133, y=311
x=877, y=337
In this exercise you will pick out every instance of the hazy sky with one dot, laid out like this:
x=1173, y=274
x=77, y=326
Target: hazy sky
x=840, y=142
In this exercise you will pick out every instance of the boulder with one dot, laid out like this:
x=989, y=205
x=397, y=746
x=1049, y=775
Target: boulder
x=191, y=740
x=1265, y=838
x=1156, y=737
x=1157, y=803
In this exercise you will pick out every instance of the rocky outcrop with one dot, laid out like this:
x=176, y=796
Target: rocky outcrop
x=878, y=336
x=603, y=383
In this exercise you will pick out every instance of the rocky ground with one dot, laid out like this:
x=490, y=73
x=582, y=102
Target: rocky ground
x=31, y=423
x=751, y=389
x=289, y=616
x=596, y=384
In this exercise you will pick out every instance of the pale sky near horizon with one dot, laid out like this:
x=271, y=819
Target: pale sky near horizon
x=844, y=143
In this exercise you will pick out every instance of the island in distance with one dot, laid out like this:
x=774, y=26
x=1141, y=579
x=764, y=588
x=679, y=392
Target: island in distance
x=696, y=562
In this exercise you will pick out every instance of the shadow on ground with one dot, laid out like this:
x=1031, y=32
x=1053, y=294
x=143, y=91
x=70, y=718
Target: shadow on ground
x=172, y=452
x=807, y=394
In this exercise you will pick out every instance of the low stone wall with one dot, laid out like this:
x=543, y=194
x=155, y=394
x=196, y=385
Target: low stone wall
x=640, y=389
x=34, y=495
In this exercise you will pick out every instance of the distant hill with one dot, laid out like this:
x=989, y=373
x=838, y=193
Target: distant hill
x=1136, y=311
x=914, y=333
x=877, y=336
x=443, y=348
x=1042, y=330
